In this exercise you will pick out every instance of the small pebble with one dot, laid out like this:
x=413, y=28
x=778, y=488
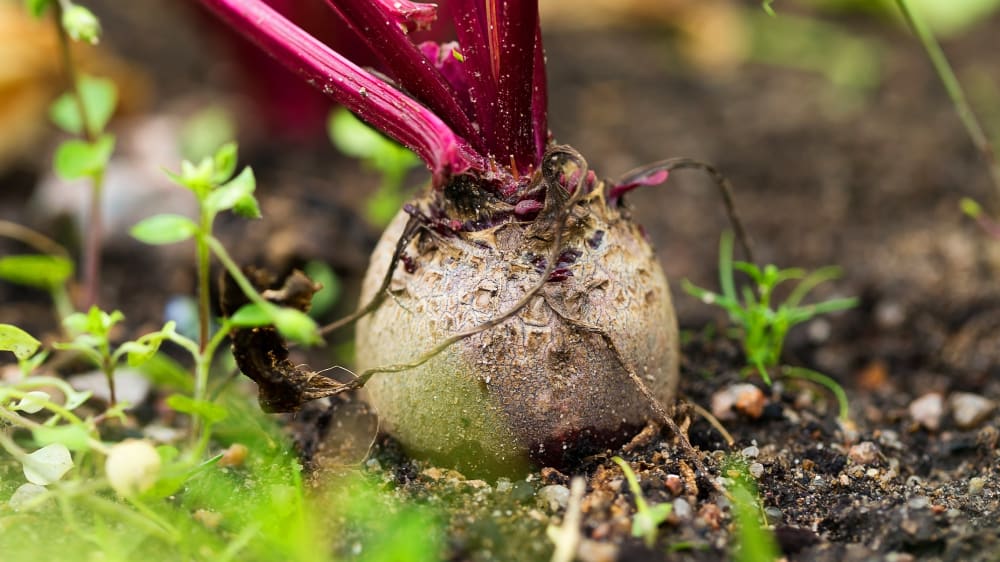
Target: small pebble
x=865, y=452
x=774, y=515
x=674, y=484
x=504, y=485
x=743, y=398
x=750, y=452
x=556, y=495
x=970, y=410
x=682, y=509
x=131, y=386
x=928, y=410
x=756, y=470
x=976, y=485
x=210, y=519
x=235, y=455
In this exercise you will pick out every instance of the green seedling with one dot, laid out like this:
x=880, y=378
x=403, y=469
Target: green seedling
x=648, y=518
x=388, y=158
x=754, y=542
x=218, y=188
x=84, y=112
x=762, y=323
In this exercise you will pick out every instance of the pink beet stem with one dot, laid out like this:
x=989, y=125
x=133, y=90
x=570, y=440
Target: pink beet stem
x=370, y=98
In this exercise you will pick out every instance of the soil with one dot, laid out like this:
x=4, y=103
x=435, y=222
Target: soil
x=871, y=185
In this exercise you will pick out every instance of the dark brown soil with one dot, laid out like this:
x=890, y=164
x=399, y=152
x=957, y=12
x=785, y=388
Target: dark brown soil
x=871, y=186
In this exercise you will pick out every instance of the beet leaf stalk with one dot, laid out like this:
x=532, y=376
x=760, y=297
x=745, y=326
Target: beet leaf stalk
x=477, y=109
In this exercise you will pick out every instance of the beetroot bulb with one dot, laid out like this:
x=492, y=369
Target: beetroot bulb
x=513, y=312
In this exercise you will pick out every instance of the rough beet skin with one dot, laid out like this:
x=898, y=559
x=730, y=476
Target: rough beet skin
x=545, y=384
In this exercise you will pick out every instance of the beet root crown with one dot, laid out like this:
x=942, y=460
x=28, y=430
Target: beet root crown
x=476, y=106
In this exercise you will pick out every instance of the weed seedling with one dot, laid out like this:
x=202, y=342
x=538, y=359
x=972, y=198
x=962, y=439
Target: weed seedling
x=761, y=322
x=648, y=518
x=754, y=542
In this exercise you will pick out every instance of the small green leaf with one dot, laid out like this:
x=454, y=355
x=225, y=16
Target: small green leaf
x=164, y=229
x=247, y=207
x=971, y=208
x=353, y=137
x=100, y=97
x=225, y=162
x=33, y=402
x=208, y=411
x=138, y=353
x=48, y=464
x=167, y=453
x=37, y=7
x=250, y=316
x=73, y=436
x=297, y=326
x=76, y=323
x=81, y=24
x=36, y=270
x=77, y=159
x=227, y=196
x=17, y=341
x=100, y=322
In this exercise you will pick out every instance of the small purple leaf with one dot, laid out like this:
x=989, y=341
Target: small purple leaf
x=655, y=177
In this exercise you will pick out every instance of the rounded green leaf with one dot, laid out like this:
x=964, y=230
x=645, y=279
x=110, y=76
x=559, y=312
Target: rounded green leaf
x=48, y=464
x=250, y=316
x=36, y=270
x=225, y=162
x=17, y=341
x=77, y=159
x=33, y=402
x=296, y=326
x=81, y=24
x=73, y=437
x=100, y=97
x=227, y=196
x=164, y=229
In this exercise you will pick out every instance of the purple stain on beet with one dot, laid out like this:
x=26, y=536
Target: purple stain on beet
x=409, y=264
x=595, y=240
x=527, y=209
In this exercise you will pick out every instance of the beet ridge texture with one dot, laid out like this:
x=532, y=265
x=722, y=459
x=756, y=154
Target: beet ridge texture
x=546, y=386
